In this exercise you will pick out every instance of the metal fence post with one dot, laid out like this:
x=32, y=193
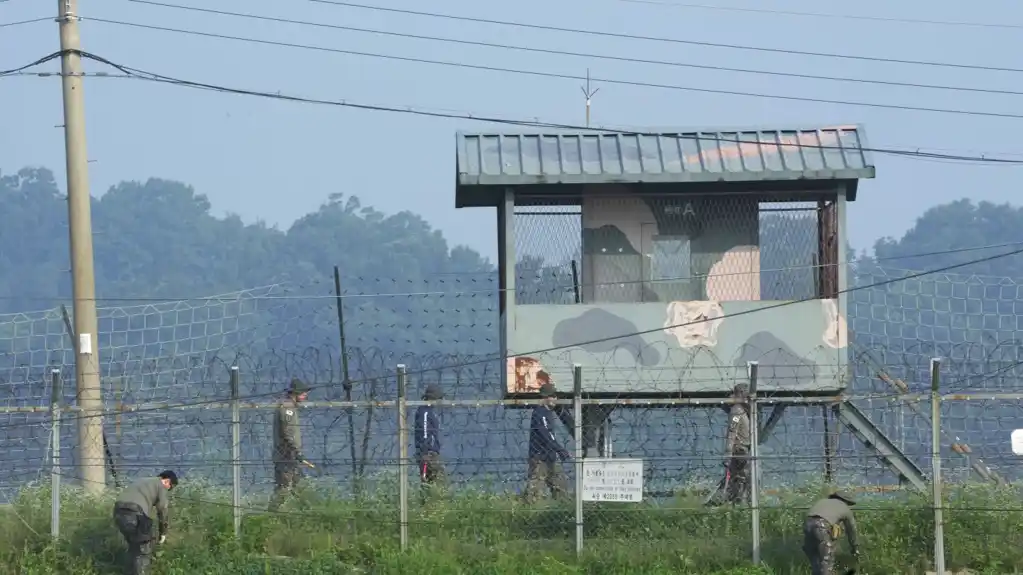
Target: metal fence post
x=402, y=457
x=939, y=521
x=577, y=416
x=236, y=453
x=754, y=431
x=56, y=393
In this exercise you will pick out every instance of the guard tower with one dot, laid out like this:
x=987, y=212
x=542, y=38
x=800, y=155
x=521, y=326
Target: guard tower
x=664, y=262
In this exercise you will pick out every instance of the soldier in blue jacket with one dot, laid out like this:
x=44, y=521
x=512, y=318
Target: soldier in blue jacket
x=426, y=430
x=544, y=450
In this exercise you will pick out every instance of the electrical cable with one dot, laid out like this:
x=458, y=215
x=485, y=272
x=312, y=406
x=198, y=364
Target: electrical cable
x=20, y=69
x=675, y=64
x=660, y=39
x=684, y=5
x=22, y=22
x=497, y=357
x=919, y=153
x=138, y=74
x=536, y=73
x=142, y=74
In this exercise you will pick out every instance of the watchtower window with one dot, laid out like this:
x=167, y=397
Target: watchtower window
x=617, y=277
x=670, y=269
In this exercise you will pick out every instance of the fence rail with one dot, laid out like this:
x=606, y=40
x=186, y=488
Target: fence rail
x=771, y=513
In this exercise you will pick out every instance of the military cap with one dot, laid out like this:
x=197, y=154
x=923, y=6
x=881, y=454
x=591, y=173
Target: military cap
x=171, y=476
x=433, y=392
x=297, y=387
x=547, y=390
x=843, y=496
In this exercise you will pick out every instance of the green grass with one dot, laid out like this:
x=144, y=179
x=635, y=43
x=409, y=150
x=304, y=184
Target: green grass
x=322, y=532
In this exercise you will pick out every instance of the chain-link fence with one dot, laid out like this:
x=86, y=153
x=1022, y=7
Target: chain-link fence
x=672, y=496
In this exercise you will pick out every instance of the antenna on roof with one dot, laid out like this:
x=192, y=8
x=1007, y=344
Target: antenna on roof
x=589, y=96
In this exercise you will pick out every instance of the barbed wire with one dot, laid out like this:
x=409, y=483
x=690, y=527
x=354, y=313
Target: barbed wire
x=484, y=451
x=486, y=438
x=489, y=358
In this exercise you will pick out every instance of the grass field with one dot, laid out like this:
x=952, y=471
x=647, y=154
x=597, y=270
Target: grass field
x=321, y=532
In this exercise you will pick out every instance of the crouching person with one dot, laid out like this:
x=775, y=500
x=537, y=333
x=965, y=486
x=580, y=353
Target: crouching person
x=823, y=528
x=133, y=515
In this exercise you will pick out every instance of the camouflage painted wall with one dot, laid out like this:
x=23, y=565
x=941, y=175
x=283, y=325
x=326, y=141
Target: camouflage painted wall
x=643, y=348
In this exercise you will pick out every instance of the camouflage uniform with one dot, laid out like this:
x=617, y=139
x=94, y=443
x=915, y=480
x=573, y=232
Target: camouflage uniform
x=133, y=516
x=823, y=528
x=737, y=448
x=287, y=454
x=544, y=451
x=542, y=474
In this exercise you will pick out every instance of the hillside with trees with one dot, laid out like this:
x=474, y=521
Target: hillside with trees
x=157, y=240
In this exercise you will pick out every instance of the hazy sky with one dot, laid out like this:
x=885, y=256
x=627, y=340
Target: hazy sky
x=275, y=161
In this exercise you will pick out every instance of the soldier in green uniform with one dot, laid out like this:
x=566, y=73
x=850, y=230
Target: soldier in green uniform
x=823, y=527
x=737, y=447
x=287, y=454
x=133, y=514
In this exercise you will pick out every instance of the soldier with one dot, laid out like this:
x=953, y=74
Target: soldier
x=288, y=443
x=823, y=527
x=133, y=515
x=737, y=447
x=544, y=450
x=427, y=433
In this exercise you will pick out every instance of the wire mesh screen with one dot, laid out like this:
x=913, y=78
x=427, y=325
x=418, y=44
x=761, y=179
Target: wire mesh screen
x=789, y=240
x=641, y=249
x=548, y=244
x=174, y=415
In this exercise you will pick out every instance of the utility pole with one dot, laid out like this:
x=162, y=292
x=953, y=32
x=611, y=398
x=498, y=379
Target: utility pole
x=589, y=96
x=83, y=280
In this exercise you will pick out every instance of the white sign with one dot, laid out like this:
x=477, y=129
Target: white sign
x=85, y=343
x=1017, y=441
x=609, y=479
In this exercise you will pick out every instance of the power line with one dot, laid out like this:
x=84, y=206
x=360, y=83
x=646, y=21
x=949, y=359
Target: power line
x=662, y=39
x=666, y=4
x=138, y=74
x=20, y=69
x=21, y=22
x=944, y=155
x=532, y=49
x=539, y=74
x=144, y=75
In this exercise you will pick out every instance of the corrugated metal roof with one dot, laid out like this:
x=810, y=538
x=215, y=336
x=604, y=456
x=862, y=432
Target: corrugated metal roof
x=592, y=157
